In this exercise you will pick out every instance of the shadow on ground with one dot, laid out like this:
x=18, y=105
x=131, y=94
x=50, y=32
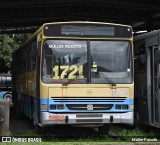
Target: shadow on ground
x=25, y=126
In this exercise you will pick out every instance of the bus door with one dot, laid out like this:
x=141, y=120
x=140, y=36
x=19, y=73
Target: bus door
x=155, y=85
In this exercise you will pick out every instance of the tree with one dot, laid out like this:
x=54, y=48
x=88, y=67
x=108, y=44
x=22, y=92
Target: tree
x=8, y=44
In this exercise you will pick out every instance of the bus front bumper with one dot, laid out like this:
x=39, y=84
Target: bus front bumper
x=86, y=118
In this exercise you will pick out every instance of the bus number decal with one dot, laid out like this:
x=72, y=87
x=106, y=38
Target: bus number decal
x=56, y=72
x=65, y=68
x=74, y=70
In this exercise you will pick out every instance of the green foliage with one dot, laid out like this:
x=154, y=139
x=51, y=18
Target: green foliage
x=130, y=133
x=8, y=44
x=6, y=49
x=127, y=134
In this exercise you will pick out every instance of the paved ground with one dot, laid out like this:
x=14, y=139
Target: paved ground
x=20, y=126
x=23, y=126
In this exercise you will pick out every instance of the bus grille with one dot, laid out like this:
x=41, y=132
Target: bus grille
x=88, y=99
x=89, y=107
x=88, y=115
x=89, y=120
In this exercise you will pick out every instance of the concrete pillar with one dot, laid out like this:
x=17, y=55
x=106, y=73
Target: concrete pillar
x=4, y=117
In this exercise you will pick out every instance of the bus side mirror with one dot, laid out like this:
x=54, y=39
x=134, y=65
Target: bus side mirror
x=157, y=57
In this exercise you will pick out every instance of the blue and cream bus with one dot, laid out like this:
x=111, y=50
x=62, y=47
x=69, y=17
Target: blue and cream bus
x=77, y=73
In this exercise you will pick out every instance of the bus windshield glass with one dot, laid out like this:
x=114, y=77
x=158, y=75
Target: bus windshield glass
x=64, y=60
x=111, y=58
x=82, y=61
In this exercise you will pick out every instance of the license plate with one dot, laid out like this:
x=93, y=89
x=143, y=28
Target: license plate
x=56, y=117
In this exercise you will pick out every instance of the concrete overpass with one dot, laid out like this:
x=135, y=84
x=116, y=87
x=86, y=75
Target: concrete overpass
x=140, y=14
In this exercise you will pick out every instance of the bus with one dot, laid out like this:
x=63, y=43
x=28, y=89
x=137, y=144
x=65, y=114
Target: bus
x=147, y=78
x=6, y=86
x=78, y=73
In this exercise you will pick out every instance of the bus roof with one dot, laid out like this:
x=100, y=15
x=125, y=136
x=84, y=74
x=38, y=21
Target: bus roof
x=89, y=22
x=146, y=35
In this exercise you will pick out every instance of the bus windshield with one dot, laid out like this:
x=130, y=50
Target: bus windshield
x=84, y=61
x=111, y=58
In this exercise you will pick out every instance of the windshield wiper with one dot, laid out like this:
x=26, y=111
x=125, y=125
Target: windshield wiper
x=104, y=76
x=108, y=79
x=66, y=83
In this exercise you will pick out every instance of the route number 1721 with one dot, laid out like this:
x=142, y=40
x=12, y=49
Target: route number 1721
x=69, y=71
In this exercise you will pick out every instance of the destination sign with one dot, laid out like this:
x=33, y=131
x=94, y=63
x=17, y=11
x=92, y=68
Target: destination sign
x=87, y=30
x=64, y=46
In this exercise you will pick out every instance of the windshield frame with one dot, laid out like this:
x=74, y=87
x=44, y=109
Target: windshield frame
x=88, y=79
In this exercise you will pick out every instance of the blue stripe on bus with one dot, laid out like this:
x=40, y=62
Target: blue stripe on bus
x=49, y=102
x=26, y=108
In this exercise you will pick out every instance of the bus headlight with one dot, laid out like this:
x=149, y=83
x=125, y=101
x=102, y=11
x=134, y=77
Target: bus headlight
x=53, y=107
x=118, y=107
x=124, y=107
x=60, y=107
x=121, y=107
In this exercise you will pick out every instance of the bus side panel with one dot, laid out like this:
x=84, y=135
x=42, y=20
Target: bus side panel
x=141, y=102
x=140, y=65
